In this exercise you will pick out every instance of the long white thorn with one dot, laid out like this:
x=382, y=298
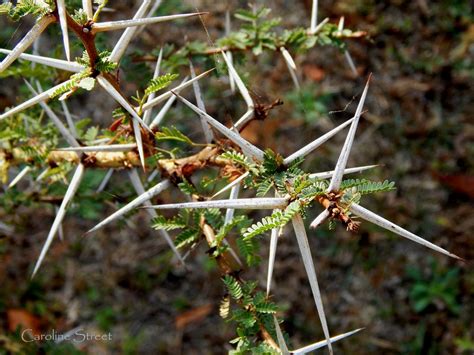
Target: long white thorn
x=20, y=176
x=71, y=191
x=140, y=190
x=328, y=174
x=350, y=62
x=56, y=120
x=240, y=84
x=139, y=141
x=265, y=203
x=26, y=41
x=242, y=121
x=128, y=34
x=120, y=25
x=120, y=99
x=305, y=250
x=69, y=120
x=320, y=26
x=87, y=7
x=316, y=143
x=320, y=219
x=272, y=253
x=45, y=95
x=346, y=149
x=164, y=110
x=63, y=23
x=249, y=149
x=147, y=114
x=280, y=337
x=231, y=184
x=229, y=53
x=209, y=136
x=51, y=62
x=234, y=194
x=168, y=94
x=314, y=16
x=101, y=148
x=290, y=64
x=384, y=223
x=148, y=195
x=105, y=180
x=323, y=343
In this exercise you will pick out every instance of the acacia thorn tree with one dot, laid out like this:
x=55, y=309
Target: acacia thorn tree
x=210, y=171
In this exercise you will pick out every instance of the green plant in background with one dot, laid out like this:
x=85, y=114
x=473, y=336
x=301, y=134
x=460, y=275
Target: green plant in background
x=169, y=157
x=440, y=288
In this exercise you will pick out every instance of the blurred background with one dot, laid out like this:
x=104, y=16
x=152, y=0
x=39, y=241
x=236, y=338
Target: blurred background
x=419, y=128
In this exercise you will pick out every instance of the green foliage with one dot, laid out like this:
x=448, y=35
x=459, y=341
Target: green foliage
x=441, y=286
x=76, y=81
x=233, y=287
x=188, y=236
x=277, y=220
x=240, y=159
x=160, y=82
x=173, y=134
x=160, y=222
x=365, y=187
x=26, y=7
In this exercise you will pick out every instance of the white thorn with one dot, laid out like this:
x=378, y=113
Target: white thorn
x=384, y=223
x=248, y=149
x=234, y=194
x=20, y=176
x=265, y=203
x=149, y=194
x=242, y=121
x=101, y=148
x=140, y=190
x=231, y=184
x=71, y=191
x=288, y=59
x=316, y=143
x=147, y=114
x=105, y=180
x=63, y=23
x=328, y=174
x=320, y=219
x=280, y=338
x=272, y=253
x=51, y=62
x=346, y=149
x=169, y=93
x=340, y=25
x=200, y=103
x=127, y=35
x=26, y=41
x=138, y=139
x=324, y=343
x=117, y=96
x=120, y=25
x=164, y=110
x=305, y=250
x=320, y=26
x=60, y=229
x=57, y=122
x=314, y=16
x=69, y=120
x=87, y=7
x=240, y=84
x=349, y=60
x=45, y=95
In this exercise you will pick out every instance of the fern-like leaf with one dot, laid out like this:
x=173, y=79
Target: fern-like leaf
x=186, y=237
x=233, y=287
x=161, y=222
x=172, y=133
x=159, y=83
